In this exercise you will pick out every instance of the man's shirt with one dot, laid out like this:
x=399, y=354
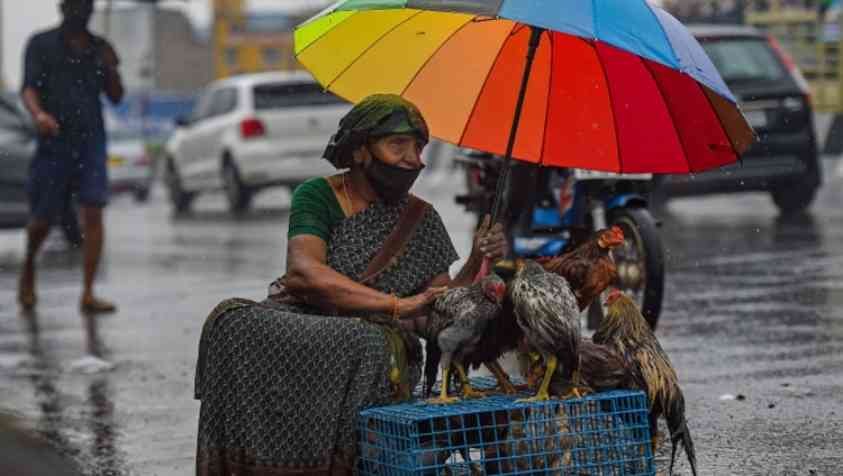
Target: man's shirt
x=69, y=84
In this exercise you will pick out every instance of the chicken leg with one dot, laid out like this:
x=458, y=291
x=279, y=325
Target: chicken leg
x=543, y=394
x=575, y=391
x=504, y=384
x=443, y=398
x=467, y=390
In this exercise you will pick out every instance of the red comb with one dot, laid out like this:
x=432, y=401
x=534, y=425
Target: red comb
x=613, y=295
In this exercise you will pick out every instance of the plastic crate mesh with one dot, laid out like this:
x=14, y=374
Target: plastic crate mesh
x=600, y=434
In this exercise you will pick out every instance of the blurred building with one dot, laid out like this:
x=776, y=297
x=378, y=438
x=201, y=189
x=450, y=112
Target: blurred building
x=735, y=11
x=158, y=47
x=708, y=11
x=247, y=42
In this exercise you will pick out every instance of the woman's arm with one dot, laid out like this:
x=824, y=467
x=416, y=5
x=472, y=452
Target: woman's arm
x=489, y=243
x=309, y=277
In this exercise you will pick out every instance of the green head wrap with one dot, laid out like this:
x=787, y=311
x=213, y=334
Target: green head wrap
x=376, y=116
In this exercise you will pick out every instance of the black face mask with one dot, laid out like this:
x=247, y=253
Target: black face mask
x=392, y=183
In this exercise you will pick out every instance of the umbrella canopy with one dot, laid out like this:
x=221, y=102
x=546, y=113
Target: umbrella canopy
x=615, y=85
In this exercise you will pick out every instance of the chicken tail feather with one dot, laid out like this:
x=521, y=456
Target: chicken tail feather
x=680, y=433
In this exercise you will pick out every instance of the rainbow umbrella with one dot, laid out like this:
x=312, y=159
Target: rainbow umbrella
x=612, y=85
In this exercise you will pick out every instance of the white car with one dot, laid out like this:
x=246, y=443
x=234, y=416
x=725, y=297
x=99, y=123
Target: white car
x=130, y=167
x=251, y=132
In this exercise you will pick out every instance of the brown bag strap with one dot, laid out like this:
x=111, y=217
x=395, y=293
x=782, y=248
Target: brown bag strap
x=394, y=246
x=397, y=241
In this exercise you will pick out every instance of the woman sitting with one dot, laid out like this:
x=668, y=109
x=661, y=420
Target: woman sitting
x=282, y=381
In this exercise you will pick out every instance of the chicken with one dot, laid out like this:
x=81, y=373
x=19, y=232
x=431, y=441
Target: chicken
x=588, y=268
x=501, y=336
x=457, y=322
x=546, y=311
x=626, y=331
x=600, y=369
x=537, y=441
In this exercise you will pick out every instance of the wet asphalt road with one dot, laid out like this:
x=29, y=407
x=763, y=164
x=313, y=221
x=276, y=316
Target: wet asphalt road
x=753, y=310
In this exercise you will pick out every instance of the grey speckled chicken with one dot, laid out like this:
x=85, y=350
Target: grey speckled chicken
x=455, y=328
x=546, y=310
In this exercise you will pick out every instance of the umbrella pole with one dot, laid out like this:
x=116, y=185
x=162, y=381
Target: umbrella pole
x=503, y=179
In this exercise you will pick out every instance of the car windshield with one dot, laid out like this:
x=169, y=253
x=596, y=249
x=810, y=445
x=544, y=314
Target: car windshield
x=744, y=59
x=280, y=95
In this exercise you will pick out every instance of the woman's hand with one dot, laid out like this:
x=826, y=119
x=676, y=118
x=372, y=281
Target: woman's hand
x=417, y=305
x=489, y=240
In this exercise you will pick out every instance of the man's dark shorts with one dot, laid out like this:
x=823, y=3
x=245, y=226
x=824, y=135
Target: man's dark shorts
x=63, y=169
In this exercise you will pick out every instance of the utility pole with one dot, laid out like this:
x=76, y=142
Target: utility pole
x=2, y=69
x=109, y=4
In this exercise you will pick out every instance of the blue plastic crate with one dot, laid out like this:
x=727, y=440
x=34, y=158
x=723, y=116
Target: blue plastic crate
x=600, y=434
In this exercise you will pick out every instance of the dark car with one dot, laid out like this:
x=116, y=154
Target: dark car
x=17, y=145
x=775, y=100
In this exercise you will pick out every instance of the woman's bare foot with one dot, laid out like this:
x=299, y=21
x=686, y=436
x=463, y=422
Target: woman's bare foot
x=26, y=287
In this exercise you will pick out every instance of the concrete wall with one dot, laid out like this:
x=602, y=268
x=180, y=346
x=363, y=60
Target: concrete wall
x=158, y=48
x=185, y=61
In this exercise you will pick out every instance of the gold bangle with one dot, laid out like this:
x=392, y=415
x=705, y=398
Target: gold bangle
x=395, y=313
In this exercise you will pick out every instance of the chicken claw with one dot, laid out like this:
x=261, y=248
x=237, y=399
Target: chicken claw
x=467, y=390
x=543, y=395
x=504, y=384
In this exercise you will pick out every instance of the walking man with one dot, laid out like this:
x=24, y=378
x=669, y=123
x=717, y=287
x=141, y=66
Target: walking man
x=66, y=70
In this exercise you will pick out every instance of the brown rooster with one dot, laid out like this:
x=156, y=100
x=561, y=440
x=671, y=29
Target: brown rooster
x=457, y=322
x=588, y=268
x=546, y=311
x=626, y=331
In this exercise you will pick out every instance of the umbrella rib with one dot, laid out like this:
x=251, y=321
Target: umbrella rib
x=549, y=96
x=719, y=120
x=371, y=45
x=664, y=32
x=485, y=81
x=430, y=57
x=670, y=113
x=611, y=106
x=327, y=32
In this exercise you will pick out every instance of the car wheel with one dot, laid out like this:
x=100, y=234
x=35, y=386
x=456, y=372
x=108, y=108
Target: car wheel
x=179, y=197
x=795, y=198
x=239, y=195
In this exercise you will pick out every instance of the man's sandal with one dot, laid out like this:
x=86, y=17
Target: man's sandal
x=97, y=306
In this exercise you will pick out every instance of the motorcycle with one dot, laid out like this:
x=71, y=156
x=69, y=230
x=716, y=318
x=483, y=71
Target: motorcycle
x=564, y=208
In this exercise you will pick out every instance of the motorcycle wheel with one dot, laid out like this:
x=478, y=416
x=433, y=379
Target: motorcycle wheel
x=640, y=263
x=640, y=260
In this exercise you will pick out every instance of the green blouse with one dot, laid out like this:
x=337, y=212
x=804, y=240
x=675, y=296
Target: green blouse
x=315, y=209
